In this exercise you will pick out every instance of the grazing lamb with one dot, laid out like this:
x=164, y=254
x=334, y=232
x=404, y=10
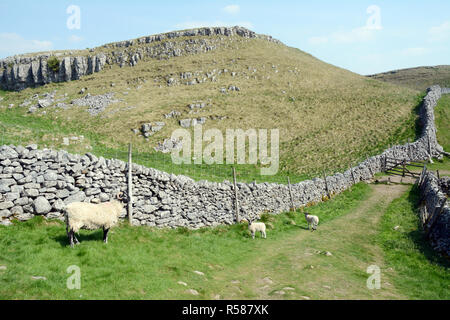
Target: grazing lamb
x=257, y=226
x=312, y=221
x=82, y=215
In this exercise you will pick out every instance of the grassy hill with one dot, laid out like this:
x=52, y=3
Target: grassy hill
x=328, y=117
x=417, y=78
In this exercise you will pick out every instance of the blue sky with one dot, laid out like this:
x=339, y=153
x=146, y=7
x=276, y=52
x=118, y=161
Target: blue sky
x=363, y=36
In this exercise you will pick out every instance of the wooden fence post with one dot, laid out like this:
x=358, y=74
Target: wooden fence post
x=326, y=185
x=236, y=196
x=422, y=176
x=403, y=168
x=353, y=177
x=409, y=150
x=368, y=166
x=130, y=186
x=290, y=193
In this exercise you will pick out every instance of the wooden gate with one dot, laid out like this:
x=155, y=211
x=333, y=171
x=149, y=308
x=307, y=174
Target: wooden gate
x=402, y=167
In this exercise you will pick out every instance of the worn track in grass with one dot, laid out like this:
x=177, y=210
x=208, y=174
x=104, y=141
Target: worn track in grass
x=297, y=268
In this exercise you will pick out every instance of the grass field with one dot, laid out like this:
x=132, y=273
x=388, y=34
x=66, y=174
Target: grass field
x=422, y=273
x=442, y=121
x=138, y=263
x=148, y=263
x=328, y=117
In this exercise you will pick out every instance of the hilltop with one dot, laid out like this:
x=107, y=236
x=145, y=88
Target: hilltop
x=418, y=78
x=327, y=116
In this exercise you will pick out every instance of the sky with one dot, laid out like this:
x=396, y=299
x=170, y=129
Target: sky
x=365, y=37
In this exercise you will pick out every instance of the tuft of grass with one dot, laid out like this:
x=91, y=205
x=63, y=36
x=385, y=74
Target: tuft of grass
x=421, y=272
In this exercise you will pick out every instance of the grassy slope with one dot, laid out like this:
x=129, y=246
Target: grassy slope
x=442, y=120
x=328, y=117
x=422, y=274
x=417, y=78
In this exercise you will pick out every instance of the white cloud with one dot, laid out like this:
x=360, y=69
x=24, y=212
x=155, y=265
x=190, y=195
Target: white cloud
x=318, y=40
x=440, y=33
x=13, y=43
x=75, y=38
x=361, y=34
x=218, y=23
x=415, y=52
x=232, y=9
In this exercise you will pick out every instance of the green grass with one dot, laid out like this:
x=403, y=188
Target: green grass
x=442, y=119
x=141, y=262
x=421, y=273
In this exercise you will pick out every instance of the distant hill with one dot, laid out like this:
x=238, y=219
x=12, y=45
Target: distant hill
x=417, y=78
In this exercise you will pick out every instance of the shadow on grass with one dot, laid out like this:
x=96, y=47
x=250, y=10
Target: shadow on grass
x=63, y=240
x=418, y=235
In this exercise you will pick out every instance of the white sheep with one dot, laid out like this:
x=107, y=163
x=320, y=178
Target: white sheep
x=312, y=221
x=89, y=216
x=257, y=226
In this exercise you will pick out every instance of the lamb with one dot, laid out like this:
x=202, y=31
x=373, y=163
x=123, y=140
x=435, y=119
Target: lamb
x=82, y=215
x=312, y=221
x=257, y=226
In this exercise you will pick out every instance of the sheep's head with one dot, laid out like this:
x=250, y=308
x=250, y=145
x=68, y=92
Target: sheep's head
x=122, y=196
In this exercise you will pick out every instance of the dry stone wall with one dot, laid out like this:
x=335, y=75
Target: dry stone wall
x=435, y=212
x=41, y=182
x=23, y=71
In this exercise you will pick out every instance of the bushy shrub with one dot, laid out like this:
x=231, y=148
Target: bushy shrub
x=53, y=64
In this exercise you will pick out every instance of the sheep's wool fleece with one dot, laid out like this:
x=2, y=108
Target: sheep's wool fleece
x=93, y=216
x=257, y=226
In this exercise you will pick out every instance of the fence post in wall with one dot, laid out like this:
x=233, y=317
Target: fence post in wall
x=130, y=186
x=409, y=150
x=368, y=166
x=290, y=194
x=326, y=185
x=236, y=201
x=351, y=172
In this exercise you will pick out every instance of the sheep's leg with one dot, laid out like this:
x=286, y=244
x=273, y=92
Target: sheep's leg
x=264, y=234
x=70, y=234
x=105, y=235
x=253, y=235
x=75, y=238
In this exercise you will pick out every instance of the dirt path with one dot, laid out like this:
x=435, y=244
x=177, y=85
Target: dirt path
x=298, y=268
